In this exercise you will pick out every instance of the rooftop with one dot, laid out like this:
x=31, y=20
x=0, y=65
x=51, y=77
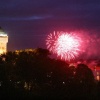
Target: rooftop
x=2, y=33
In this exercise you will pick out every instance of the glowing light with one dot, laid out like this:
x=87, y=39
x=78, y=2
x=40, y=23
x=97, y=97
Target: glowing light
x=3, y=42
x=3, y=34
x=66, y=46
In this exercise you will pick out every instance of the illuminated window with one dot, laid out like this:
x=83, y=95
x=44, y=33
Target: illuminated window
x=98, y=78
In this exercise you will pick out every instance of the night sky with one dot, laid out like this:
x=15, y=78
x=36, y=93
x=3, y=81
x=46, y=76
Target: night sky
x=28, y=22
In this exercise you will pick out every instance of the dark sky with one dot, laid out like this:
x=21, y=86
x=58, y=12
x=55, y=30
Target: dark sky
x=28, y=22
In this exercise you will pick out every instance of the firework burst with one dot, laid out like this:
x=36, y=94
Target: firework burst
x=66, y=46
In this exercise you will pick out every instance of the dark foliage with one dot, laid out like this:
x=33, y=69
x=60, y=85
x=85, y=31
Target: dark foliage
x=32, y=74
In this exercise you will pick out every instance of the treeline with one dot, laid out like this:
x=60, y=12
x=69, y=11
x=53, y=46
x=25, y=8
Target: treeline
x=31, y=73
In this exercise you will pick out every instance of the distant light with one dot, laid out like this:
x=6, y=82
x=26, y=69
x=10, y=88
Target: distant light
x=63, y=82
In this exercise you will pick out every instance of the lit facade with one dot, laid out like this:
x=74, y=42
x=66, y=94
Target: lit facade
x=96, y=72
x=3, y=41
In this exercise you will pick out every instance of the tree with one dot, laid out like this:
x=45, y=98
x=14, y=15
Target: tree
x=31, y=65
x=84, y=74
x=85, y=83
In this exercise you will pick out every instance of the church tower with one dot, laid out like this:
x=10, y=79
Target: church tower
x=3, y=41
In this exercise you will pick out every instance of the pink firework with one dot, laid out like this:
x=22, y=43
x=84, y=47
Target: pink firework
x=51, y=41
x=66, y=46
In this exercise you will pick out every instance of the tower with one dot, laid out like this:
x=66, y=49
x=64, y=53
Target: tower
x=3, y=41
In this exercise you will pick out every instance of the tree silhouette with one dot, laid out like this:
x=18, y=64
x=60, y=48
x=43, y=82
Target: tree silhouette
x=85, y=82
x=34, y=70
x=84, y=74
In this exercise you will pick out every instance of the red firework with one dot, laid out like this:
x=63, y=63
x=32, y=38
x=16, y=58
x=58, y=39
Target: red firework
x=65, y=45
